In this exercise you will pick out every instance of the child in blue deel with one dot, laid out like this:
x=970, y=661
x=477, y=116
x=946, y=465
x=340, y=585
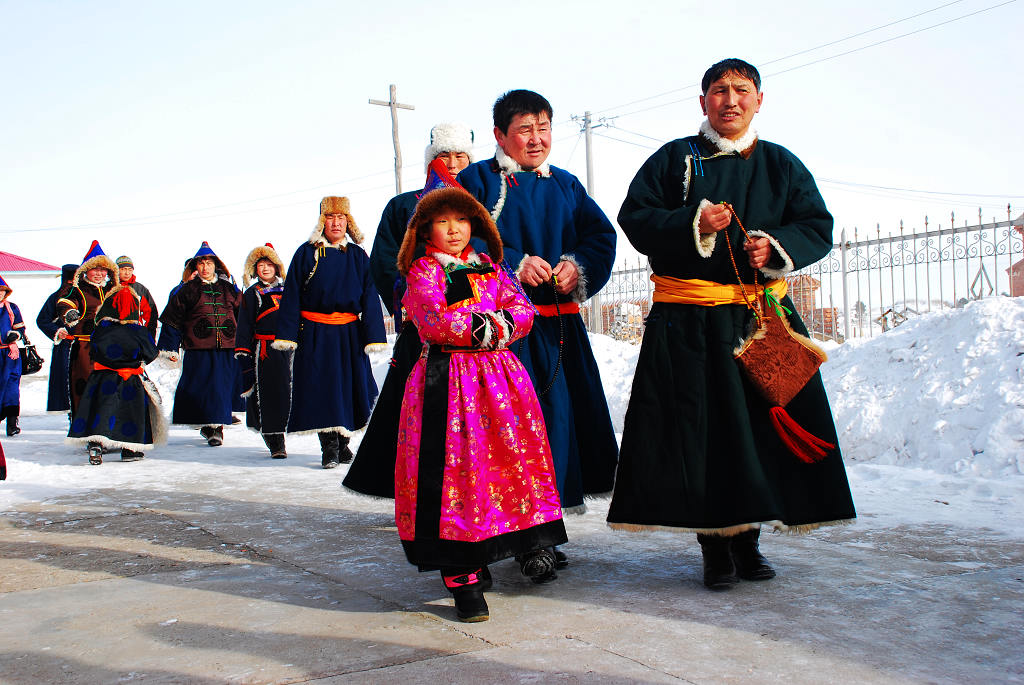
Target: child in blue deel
x=120, y=408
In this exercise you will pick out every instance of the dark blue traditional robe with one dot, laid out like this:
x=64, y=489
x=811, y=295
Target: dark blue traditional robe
x=48, y=321
x=201, y=318
x=10, y=369
x=332, y=385
x=548, y=214
x=118, y=411
x=266, y=372
x=373, y=470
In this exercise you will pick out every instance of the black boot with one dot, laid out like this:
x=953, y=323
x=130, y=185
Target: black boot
x=750, y=563
x=719, y=570
x=468, y=590
x=344, y=453
x=131, y=455
x=538, y=565
x=275, y=443
x=12, y=427
x=329, y=450
x=214, y=435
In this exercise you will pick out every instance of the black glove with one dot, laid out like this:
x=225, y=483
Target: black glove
x=12, y=336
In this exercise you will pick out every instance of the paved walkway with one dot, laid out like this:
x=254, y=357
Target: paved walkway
x=191, y=587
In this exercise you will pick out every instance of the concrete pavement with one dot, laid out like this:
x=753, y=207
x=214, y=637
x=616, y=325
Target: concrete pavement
x=187, y=585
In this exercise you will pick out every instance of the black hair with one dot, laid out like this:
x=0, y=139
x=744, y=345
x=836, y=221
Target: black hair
x=516, y=102
x=720, y=69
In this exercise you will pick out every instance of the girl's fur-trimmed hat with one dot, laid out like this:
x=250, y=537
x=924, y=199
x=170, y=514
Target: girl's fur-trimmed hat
x=336, y=205
x=443, y=192
x=5, y=288
x=266, y=251
x=449, y=136
x=95, y=258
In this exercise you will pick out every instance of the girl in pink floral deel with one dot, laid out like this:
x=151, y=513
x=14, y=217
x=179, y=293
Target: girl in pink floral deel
x=474, y=481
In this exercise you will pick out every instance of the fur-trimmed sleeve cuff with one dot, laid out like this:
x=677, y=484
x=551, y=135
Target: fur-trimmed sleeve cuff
x=705, y=243
x=579, y=293
x=375, y=347
x=284, y=345
x=787, y=262
x=519, y=268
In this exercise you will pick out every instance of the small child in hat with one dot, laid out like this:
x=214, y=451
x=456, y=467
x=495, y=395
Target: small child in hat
x=120, y=408
x=474, y=480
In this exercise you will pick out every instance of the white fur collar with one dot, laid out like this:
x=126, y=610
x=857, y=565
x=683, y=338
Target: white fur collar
x=511, y=166
x=447, y=259
x=317, y=238
x=725, y=144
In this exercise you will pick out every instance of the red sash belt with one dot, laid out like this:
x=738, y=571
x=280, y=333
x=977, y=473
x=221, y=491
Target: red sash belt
x=125, y=374
x=549, y=309
x=266, y=339
x=335, y=318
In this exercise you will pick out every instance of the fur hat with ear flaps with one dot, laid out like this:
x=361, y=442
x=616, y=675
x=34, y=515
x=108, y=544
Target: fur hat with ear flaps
x=267, y=252
x=442, y=192
x=204, y=251
x=95, y=258
x=336, y=205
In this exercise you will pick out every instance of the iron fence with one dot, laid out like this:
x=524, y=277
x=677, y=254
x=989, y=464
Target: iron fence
x=863, y=286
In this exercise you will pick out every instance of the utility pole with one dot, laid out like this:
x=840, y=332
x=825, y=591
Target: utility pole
x=588, y=126
x=394, y=105
x=596, y=309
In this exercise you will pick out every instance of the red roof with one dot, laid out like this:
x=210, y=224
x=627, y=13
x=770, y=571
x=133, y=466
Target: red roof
x=12, y=262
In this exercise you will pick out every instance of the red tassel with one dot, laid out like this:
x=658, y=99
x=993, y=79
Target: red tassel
x=807, y=446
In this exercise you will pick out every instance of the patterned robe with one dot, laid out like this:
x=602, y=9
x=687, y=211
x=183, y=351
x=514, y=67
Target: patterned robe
x=474, y=480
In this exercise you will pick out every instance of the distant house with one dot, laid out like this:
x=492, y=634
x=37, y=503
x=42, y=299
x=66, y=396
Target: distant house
x=31, y=282
x=821, y=322
x=1016, y=272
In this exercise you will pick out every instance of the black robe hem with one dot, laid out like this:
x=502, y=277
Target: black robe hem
x=432, y=554
x=729, y=530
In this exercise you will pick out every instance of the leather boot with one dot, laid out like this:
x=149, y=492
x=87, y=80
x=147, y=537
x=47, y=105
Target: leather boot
x=538, y=565
x=468, y=591
x=95, y=453
x=12, y=425
x=329, y=450
x=131, y=455
x=275, y=443
x=719, y=570
x=344, y=453
x=750, y=563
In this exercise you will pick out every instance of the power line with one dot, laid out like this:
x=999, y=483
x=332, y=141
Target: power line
x=823, y=59
x=922, y=192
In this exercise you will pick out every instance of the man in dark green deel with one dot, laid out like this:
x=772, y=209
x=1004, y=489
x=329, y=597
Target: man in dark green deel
x=699, y=451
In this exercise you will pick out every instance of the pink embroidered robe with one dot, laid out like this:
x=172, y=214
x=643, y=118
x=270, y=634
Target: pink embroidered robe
x=474, y=481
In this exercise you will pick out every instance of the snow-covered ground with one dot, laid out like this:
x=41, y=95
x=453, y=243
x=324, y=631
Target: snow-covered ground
x=930, y=418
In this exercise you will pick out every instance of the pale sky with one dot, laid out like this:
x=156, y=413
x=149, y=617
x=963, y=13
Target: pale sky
x=152, y=126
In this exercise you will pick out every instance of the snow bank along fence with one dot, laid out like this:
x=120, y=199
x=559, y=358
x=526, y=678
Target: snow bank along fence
x=863, y=286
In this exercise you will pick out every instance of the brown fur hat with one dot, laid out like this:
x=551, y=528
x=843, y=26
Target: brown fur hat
x=266, y=251
x=435, y=201
x=336, y=205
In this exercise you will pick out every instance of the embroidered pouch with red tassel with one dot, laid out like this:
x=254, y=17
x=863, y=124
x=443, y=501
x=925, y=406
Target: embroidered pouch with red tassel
x=779, y=362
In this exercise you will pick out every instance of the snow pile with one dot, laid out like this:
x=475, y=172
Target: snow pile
x=944, y=392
